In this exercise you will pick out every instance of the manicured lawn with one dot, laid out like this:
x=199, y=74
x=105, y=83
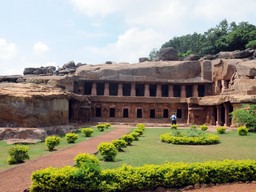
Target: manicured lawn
x=39, y=149
x=150, y=150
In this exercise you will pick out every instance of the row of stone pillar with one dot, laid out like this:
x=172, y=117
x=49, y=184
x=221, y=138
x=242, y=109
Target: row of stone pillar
x=146, y=90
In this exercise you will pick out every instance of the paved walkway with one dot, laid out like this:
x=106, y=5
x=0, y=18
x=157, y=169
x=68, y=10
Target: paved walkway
x=17, y=179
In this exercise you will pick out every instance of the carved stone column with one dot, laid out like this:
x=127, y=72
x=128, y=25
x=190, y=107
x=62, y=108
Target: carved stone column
x=195, y=90
x=218, y=115
x=227, y=121
x=158, y=90
x=120, y=89
x=183, y=91
x=146, y=90
x=170, y=91
x=106, y=89
x=133, y=90
x=94, y=89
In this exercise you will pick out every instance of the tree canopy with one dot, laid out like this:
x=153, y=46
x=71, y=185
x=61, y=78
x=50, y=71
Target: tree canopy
x=223, y=37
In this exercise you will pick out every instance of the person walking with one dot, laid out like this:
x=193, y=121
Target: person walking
x=173, y=118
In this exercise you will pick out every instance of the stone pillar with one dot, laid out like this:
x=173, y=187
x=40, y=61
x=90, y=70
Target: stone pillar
x=195, y=90
x=94, y=89
x=106, y=89
x=224, y=85
x=183, y=91
x=146, y=90
x=217, y=88
x=158, y=90
x=170, y=91
x=133, y=90
x=219, y=116
x=227, y=121
x=120, y=89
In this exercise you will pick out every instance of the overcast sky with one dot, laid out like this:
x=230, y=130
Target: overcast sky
x=36, y=33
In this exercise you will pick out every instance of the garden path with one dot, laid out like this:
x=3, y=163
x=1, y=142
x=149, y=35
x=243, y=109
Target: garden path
x=17, y=179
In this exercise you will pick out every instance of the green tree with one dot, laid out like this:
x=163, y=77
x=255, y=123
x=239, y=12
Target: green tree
x=246, y=116
x=153, y=54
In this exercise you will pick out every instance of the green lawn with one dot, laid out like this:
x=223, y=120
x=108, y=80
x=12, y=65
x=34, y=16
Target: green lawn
x=39, y=149
x=150, y=150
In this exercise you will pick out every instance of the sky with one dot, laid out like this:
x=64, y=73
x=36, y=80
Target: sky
x=35, y=33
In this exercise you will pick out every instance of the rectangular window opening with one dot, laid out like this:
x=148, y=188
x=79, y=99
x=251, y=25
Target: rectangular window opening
x=98, y=112
x=152, y=113
x=179, y=113
x=139, y=113
x=165, y=113
x=112, y=112
x=125, y=113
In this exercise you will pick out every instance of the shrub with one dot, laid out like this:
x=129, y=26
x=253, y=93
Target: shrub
x=144, y=178
x=221, y=130
x=189, y=137
x=193, y=127
x=135, y=135
x=51, y=142
x=242, y=131
x=139, y=131
x=203, y=127
x=140, y=126
x=128, y=139
x=101, y=127
x=119, y=144
x=174, y=126
x=107, y=150
x=71, y=137
x=87, y=131
x=84, y=158
x=107, y=125
x=17, y=154
x=245, y=116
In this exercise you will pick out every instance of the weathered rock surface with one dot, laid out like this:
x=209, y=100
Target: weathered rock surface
x=32, y=105
x=146, y=71
x=246, y=69
x=168, y=54
x=22, y=134
x=192, y=57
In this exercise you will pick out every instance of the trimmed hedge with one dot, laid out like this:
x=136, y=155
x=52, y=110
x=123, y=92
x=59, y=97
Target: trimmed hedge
x=192, y=137
x=147, y=177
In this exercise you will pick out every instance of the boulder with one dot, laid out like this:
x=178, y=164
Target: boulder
x=168, y=54
x=246, y=69
x=224, y=54
x=242, y=54
x=22, y=133
x=29, y=70
x=210, y=57
x=192, y=57
x=142, y=59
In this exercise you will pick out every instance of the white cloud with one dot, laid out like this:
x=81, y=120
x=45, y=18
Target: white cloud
x=93, y=8
x=40, y=48
x=7, y=50
x=130, y=46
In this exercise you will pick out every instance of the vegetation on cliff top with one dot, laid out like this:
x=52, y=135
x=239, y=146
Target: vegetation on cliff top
x=224, y=37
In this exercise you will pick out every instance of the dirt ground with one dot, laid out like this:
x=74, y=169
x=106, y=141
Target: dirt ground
x=17, y=179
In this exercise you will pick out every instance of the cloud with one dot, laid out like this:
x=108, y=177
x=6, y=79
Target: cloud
x=129, y=46
x=7, y=50
x=93, y=8
x=40, y=48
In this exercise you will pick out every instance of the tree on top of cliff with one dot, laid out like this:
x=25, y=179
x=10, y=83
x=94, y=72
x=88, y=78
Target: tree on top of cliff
x=223, y=37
